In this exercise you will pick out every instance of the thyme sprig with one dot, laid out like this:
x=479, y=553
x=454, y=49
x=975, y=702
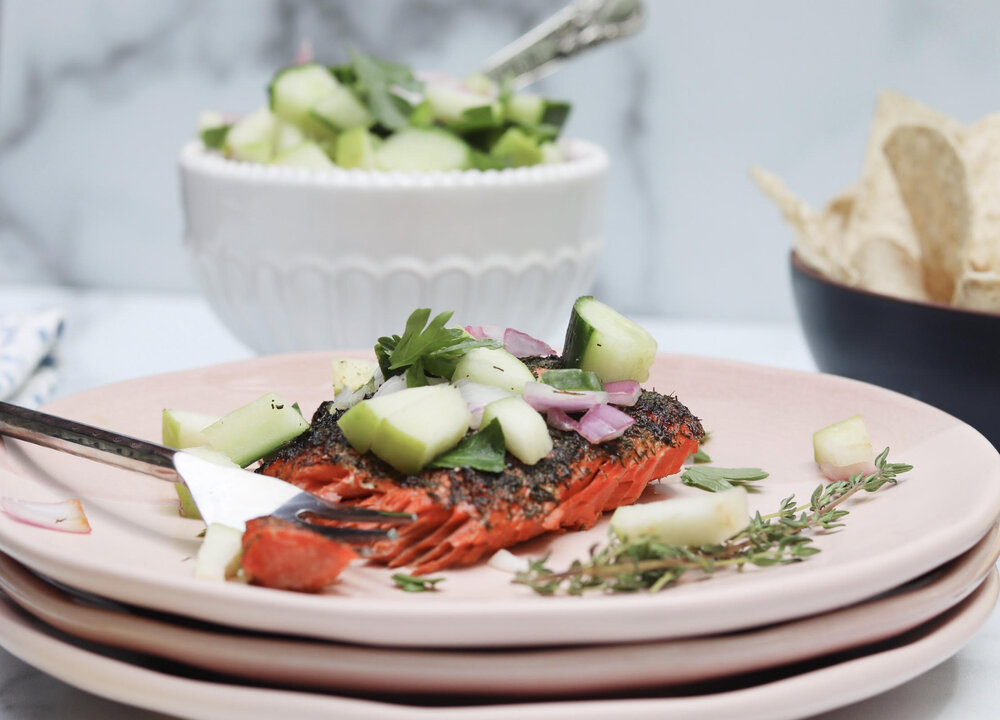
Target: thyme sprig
x=777, y=538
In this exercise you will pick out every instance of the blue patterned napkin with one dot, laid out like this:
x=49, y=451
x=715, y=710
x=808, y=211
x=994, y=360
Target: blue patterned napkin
x=28, y=344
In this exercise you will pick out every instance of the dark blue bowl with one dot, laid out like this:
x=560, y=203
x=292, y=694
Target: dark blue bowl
x=944, y=356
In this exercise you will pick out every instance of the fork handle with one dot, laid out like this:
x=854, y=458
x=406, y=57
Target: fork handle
x=87, y=441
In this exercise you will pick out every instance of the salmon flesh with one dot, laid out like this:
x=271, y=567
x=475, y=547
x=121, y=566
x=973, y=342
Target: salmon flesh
x=464, y=515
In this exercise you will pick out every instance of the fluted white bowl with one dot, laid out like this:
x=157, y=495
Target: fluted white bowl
x=294, y=259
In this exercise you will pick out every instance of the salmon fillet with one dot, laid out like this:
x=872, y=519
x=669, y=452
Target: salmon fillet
x=463, y=514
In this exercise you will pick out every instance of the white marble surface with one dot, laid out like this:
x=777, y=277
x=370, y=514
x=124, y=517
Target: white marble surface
x=97, y=96
x=115, y=335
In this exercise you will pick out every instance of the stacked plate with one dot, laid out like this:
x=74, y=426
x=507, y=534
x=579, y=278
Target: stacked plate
x=906, y=582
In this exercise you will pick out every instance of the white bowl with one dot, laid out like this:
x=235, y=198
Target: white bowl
x=295, y=259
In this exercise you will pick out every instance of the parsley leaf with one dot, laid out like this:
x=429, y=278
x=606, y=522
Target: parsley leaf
x=716, y=479
x=422, y=351
x=377, y=79
x=484, y=450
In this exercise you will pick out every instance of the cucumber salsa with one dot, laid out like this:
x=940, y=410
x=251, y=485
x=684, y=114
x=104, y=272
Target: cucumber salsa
x=372, y=114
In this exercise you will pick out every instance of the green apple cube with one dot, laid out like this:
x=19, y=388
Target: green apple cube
x=249, y=433
x=706, y=519
x=525, y=432
x=495, y=367
x=361, y=422
x=843, y=449
x=183, y=428
x=414, y=434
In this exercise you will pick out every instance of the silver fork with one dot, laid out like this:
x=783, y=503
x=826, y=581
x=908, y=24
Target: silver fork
x=225, y=495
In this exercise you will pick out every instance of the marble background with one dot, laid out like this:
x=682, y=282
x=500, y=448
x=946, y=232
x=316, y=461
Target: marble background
x=97, y=96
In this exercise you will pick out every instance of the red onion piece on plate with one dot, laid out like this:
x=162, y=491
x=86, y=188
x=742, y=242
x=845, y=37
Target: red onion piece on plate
x=560, y=420
x=623, y=392
x=65, y=516
x=522, y=345
x=603, y=422
x=544, y=397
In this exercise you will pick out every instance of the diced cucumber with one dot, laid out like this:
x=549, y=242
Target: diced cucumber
x=188, y=507
x=256, y=429
x=295, y=91
x=518, y=148
x=251, y=138
x=449, y=103
x=525, y=432
x=207, y=452
x=219, y=555
x=415, y=434
x=843, y=449
x=481, y=85
x=422, y=150
x=352, y=373
x=287, y=137
x=525, y=108
x=699, y=520
x=552, y=152
x=356, y=149
x=572, y=379
x=495, y=367
x=307, y=155
x=183, y=428
x=341, y=110
x=360, y=424
x=601, y=339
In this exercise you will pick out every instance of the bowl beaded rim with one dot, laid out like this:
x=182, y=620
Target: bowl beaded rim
x=589, y=160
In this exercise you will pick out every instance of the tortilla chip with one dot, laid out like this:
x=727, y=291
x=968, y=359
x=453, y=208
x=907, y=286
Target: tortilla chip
x=886, y=267
x=879, y=211
x=815, y=244
x=981, y=151
x=979, y=291
x=932, y=182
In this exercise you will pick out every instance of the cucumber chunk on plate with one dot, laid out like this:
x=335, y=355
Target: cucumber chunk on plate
x=361, y=423
x=183, y=428
x=698, y=520
x=251, y=138
x=525, y=432
x=495, y=367
x=412, y=436
x=220, y=552
x=843, y=449
x=518, y=148
x=341, y=110
x=601, y=339
x=422, y=150
x=249, y=433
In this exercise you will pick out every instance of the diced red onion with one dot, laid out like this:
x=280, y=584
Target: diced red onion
x=603, y=422
x=623, y=392
x=522, y=345
x=560, y=420
x=493, y=332
x=477, y=396
x=544, y=397
x=304, y=54
x=65, y=516
x=393, y=384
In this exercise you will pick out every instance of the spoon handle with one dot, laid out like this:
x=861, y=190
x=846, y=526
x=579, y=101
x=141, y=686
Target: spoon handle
x=579, y=26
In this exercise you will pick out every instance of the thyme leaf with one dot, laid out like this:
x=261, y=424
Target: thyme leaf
x=412, y=583
x=716, y=479
x=778, y=538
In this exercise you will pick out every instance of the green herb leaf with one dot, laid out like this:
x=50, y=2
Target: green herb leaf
x=434, y=349
x=774, y=539
x=214, y=138
x=716, y=479
x=376, y=79
x=699, y=457
x=412, y=583
x=484, y=450
x=572, y=379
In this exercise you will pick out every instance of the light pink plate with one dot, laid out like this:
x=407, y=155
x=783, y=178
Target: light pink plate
x=779, y=698
x=140, y=550
x=544, y=672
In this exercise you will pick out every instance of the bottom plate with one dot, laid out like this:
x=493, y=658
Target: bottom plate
x=544, y=672
x=796, y=695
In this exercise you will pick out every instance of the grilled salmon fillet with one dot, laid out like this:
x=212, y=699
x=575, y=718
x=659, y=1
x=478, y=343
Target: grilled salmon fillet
x=463, y=514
